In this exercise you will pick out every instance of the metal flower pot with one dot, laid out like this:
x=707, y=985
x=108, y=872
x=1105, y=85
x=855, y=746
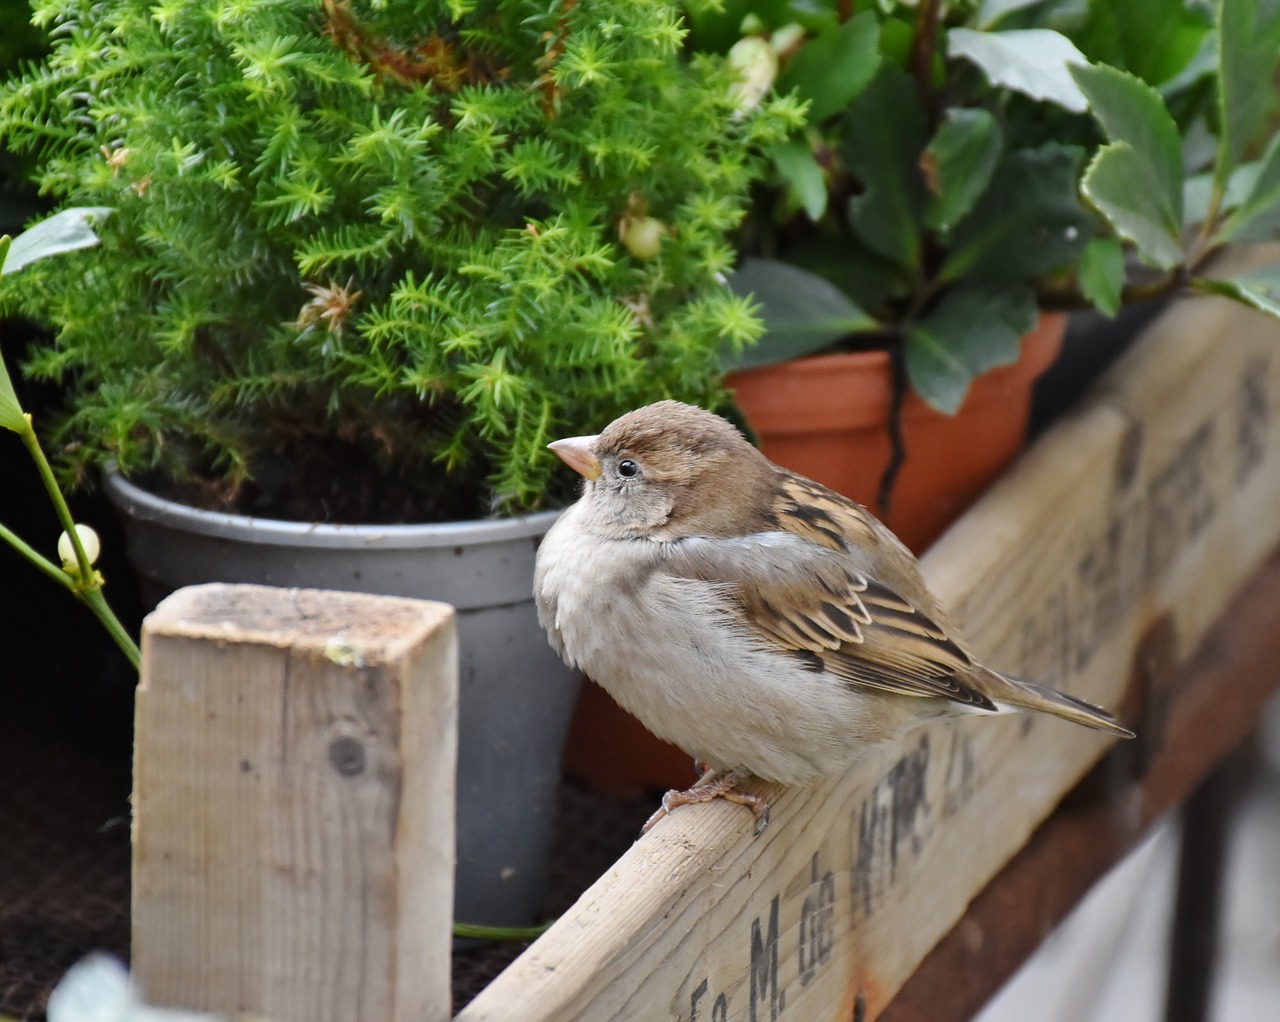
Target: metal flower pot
x=516, y=697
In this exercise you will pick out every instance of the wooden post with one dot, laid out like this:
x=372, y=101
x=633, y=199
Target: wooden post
x=294, y=805
x=1152, y=503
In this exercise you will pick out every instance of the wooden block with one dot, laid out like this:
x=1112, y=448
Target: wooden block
x=1156, y=500
x=294, y=804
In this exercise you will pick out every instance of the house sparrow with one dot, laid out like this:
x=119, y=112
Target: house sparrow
x=756, y=619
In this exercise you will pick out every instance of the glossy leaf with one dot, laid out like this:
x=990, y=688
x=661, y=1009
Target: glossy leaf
x=1118, y=183
x=872, y=281
x=1102, y=274
x=1248, y=51
x=802, y=312
x=63, y=232
x=959, y=162
x=885, y=135
x=833, y=67
x=1155, y=39
x=1197, y=191
x=972, y=329
x=992, y=11
x=1257, y=216
x=1029, y=222
x=803, y=177
x=1033, y=61
x=1259, y=288
x=10, y=409
x=1132, y=112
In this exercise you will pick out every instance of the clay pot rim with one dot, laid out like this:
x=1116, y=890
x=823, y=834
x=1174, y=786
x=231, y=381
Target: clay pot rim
x=864, y=384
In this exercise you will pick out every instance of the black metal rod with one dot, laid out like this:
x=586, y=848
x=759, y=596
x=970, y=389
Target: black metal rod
x=1202, y=860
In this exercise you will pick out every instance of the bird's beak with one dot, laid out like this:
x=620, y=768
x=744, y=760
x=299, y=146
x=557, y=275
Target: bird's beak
x=577, y=453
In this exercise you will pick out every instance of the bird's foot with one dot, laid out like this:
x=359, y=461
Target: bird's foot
x=710, y=789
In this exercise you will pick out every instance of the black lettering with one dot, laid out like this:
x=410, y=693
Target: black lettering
x=700, y=991
x=817, y=922
x=764, y=964
x=1253, y=417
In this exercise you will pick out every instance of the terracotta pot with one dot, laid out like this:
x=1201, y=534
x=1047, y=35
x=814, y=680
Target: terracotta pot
x=826, y=417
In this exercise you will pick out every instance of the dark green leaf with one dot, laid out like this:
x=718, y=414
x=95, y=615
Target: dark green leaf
x=1259, y=288
x=1258, y=214
x=1132, y=112
x=871, y=280
x=1102, y=273
x=832, y=68
x=1118, y=183
x=1033, y=61
x=1029, y=222
x=802, y=175
x=993, y=10
x=972, y=329
x=63, y=232
x=1155, y=39
x=885, y=134
x=960, y=161
x=802, y=312
x=1248, y=49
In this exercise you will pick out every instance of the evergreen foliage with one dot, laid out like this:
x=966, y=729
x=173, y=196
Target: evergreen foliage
x=378, y=247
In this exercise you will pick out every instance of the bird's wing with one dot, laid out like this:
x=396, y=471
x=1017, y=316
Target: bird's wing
x=809, y=586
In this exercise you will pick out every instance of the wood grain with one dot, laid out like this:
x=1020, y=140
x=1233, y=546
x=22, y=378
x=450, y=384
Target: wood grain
x=1154, y=501
x=1196, y=714
x=293, y=805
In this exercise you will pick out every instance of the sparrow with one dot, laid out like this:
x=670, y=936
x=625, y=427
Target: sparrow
x=757, y=620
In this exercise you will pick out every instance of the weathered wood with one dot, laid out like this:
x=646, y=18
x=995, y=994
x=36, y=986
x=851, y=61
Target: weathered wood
x=1155, y=500
x=293, y=805
x=1196, y=715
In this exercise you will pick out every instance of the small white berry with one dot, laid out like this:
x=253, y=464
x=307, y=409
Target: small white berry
x=88, y=539
x=642, y=236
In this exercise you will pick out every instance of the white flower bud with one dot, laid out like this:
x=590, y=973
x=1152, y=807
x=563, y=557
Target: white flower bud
x=787, y=38
x=757, y=66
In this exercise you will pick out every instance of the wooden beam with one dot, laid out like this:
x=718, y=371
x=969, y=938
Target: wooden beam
x=293, y=805
x=1196, y=715
x=1153, y=502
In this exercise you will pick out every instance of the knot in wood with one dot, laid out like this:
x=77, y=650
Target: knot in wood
x=346, y=754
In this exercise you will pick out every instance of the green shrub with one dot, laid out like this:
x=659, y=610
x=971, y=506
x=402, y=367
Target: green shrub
x=377, y=254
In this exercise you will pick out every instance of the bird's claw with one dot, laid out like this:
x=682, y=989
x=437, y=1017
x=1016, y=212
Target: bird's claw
x=708, y=791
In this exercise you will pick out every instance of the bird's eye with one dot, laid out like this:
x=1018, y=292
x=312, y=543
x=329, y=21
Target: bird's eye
x=628, y=468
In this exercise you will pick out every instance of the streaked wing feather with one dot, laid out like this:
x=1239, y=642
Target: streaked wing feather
x=802, y=589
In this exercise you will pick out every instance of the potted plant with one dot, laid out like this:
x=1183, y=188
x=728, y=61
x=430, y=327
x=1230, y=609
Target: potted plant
x=967, y=173
x=366, y=260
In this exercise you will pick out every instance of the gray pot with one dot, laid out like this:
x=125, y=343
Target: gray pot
x=516, y=696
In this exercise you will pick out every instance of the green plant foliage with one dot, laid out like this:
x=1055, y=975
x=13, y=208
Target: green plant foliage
x=376, y=246
x=1008, y=154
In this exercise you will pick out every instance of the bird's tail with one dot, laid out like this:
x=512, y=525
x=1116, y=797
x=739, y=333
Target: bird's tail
x=1026, y=695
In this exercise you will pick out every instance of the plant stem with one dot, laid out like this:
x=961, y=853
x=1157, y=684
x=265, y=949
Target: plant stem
x=475, y=931
x=1071, y=299
x=97, y=603
x=36, y=558
x=88, y=587
x=923, y=44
